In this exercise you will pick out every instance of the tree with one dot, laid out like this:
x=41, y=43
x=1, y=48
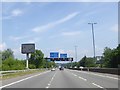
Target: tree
x=87, y=62
x=115, y=59
x=107, y=55
x=7, y=54
x=111, y=57
x=0, y=60
x=37, y=58
x=82, y=61
x=13, y=64
x=90, y=62
x=118, y=55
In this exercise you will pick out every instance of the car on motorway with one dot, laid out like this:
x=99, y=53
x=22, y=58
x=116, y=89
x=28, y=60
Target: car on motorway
x=53, y=69
x=81, y=67
x=75, y=67
x=61, y=68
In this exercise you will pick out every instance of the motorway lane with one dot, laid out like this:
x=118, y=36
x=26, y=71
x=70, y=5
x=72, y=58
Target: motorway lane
x=65, y=79
x=39, y=81
x=104, y=80
x=7, y=81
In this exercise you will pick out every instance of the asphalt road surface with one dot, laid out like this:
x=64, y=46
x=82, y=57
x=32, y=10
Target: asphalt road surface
x=63, y=79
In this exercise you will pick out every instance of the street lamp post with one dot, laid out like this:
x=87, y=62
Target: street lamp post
x=93, y=37
x=76, y=53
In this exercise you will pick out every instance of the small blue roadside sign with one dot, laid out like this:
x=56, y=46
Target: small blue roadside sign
x=54, y=54
x=63, y=55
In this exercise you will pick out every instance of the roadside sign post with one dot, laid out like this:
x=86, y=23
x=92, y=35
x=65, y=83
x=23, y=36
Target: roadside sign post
x=27, y=58
x=27, y=49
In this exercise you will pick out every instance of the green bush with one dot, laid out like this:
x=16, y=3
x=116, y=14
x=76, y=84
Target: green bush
x=12, y=64
x=32, y=66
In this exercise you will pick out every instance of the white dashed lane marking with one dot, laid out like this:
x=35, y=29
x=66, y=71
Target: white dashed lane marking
x=83, y=78
x=97, y=85
x=51, y=80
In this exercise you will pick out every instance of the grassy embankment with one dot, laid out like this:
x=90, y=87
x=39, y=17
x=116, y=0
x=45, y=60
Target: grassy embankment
x=16, y=74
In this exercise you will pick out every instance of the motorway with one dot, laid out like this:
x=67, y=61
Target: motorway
x=63, y=79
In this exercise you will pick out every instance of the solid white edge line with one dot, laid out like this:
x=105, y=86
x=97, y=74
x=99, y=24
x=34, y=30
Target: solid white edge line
x=23, y=79
x=48, y=84
x=47, y=87
x=97, y=85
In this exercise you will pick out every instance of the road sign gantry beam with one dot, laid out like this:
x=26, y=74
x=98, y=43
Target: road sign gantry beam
x=60, y=59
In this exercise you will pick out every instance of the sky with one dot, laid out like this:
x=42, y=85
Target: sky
x=59, y=27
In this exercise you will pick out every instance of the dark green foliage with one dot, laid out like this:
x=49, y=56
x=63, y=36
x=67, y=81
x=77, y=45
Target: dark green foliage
x=8, y=62
x=82, y=62
x=37, y=59
x=32, y=66
x=87, y=62
x=7, y=54
x=12, y=64
x=111, y=57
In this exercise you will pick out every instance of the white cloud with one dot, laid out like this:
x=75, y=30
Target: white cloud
x=18, y=54
x=53, y=24
x=73, y=33
x=2, y=46
x=17, y=12
x=115, y=28
x=18, y=38
x=13, y=13
x=61, y=51
x=17, y=50
x=34, y=40
x=70, y=53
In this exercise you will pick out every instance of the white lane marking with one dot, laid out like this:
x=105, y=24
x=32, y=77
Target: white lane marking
x=112, y=77
x=75, y=75
x=23, y=79
x=80, y=77
x=83, y=78
x=97, y=85
x=47, y=87
x=95, y=74
x=51, y=80
x=48, y=84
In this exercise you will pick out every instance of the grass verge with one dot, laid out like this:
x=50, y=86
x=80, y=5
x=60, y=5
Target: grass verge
x=16, y=74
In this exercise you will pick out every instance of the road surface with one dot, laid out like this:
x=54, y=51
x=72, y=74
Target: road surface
x=63, y=79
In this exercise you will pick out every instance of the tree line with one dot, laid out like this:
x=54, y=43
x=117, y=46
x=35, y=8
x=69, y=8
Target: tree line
x=36, y=60
x=110, y=59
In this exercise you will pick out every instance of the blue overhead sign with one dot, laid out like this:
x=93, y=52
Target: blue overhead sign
x=63, y=55
x=54, y=54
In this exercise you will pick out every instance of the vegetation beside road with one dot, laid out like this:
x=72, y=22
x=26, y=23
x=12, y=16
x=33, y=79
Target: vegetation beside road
x=110, y=59
x=21, y=73
x=36, y=61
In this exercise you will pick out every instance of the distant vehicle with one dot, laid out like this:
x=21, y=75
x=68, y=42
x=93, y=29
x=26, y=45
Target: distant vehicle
x=61, y=68
x=81, y=67
x=53, y=69
x=75, y=67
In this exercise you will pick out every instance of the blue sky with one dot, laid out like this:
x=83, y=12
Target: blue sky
x=59, y=26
